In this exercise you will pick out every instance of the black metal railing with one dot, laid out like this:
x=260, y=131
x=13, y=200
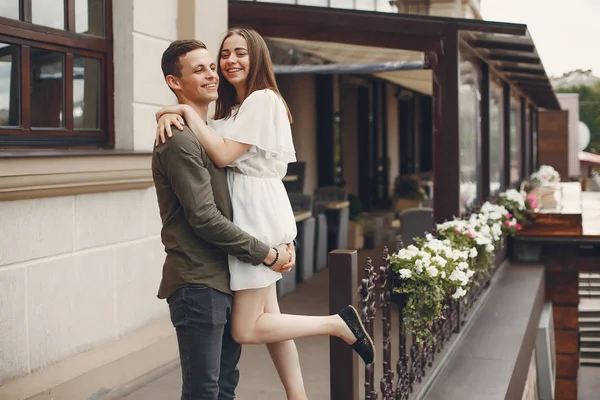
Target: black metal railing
x=404, y=378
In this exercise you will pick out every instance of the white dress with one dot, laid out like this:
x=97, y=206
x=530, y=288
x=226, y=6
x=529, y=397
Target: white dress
x=260, y=202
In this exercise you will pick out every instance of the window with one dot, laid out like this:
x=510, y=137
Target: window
x=469, y=131
x=496, y=136
x=55, y=73
x=515, y=141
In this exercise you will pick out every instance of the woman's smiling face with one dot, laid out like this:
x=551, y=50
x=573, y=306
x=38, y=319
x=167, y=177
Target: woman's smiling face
x=234, y=60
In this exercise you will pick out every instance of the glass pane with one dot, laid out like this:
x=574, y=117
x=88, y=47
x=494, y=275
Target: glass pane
x=515, y=141
x=469, y=96
x=89, y=17
x=9, y=9
x=86, y=93
x=47, y=88
x=385, y=6
x=341, y=3
x=48, y=13
x=9, y=85
x=367, y=5
x=496, y=142
x=314, y=3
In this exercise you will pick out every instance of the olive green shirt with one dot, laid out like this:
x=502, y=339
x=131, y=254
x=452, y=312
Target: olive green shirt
x=196, y=213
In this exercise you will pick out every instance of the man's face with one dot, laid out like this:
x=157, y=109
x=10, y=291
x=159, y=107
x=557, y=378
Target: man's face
x=199, y=80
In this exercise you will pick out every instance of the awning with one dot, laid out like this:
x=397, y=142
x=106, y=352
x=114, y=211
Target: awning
x=337, y=36
x=401, y=67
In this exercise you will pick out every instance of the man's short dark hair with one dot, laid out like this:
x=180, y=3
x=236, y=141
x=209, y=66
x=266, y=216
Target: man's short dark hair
x=170, y=59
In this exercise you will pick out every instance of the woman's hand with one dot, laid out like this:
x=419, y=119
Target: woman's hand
x=179, y=109
x=163, y=127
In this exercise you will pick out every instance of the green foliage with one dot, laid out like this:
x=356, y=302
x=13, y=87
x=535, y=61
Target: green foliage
x=589, y=111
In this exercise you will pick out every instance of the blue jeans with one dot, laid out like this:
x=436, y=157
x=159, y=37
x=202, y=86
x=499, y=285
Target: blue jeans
x=208, y=354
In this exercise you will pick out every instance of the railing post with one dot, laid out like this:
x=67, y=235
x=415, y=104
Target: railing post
x=343, y=289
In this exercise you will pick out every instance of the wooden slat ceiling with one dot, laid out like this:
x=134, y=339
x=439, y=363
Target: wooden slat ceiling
x=515, y=59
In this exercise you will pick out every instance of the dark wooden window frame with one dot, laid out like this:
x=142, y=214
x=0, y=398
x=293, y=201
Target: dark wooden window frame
x=26, y=35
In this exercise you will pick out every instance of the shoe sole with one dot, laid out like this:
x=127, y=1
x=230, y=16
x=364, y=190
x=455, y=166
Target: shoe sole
x=366, y=333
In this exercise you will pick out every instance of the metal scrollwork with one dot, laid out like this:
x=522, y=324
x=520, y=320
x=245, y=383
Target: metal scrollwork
x=367, y=311
x=385, y=285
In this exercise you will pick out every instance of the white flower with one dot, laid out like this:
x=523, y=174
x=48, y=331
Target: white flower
x=440, y=261
x=443, y=275
x=470, y=273
x=428, y=237
x=432, y=271
x=473, y=252
x=419, y=266
x=463, y=265
x=460, y=292
x=405, y=273
x=489, y=248
x=404, y=254
x=458, y=275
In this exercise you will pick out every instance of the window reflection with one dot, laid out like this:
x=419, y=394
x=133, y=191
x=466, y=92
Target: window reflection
x=9, y=9
x=496, y=130
x=49, y=13
x=86, y=93
x=9, y=85
x=469, y=96
x=515, y=141
x=89, y=17
x=47, y=88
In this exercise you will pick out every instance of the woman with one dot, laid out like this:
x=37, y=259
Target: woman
x=255, y=141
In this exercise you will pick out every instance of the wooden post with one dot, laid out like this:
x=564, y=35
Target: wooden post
x=343, y=289
x=446, y=165
x=484, y=154
x=506, y=136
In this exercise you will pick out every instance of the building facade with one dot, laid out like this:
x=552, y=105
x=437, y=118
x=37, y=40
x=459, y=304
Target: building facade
x=80, y=249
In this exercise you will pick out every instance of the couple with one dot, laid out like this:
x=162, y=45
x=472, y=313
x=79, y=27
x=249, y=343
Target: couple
x=219, y=276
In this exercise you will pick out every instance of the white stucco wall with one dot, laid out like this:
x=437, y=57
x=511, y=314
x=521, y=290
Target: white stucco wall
x=78, y=271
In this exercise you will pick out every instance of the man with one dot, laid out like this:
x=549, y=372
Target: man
x=198, y=235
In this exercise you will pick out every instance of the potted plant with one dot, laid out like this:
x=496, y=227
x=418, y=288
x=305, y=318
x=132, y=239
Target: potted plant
x=408, y=193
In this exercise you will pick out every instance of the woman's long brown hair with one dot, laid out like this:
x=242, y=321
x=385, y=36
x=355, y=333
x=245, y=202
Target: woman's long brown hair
x=260, y=75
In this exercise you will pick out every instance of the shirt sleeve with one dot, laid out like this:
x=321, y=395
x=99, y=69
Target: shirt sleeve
x=262, y=122
x=183, y=163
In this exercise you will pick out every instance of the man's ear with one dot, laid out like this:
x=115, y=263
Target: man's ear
x=173, y=82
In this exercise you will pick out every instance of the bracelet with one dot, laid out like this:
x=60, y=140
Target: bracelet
x=275, y=260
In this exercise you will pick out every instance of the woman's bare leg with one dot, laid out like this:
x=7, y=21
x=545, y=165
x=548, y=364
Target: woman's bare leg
x=251, y=325
x=285, y=356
